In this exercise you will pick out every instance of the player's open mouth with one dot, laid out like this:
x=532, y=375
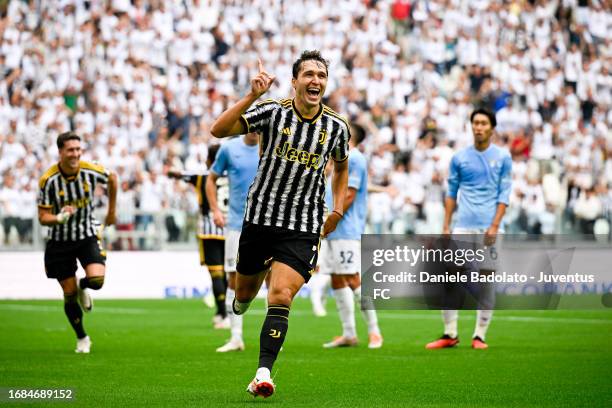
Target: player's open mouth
x=314, y=92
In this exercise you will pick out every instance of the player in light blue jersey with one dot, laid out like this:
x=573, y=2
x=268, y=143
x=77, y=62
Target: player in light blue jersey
x=479, y=182
x=238, y=159
x=343, y=250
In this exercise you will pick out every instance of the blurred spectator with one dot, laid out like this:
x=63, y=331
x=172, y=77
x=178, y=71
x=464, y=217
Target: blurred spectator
x=126, y=217
x=587, y=208
x=11, y=210
x=141, y=81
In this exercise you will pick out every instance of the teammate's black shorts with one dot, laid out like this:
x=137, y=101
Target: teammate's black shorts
x=61, y=256
x=260, y=245
x=212, y=253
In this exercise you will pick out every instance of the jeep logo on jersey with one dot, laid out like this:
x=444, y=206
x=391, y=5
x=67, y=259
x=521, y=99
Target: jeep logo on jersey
x=289, y=153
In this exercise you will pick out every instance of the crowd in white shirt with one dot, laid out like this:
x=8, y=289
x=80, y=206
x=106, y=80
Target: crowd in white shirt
x=142, y=81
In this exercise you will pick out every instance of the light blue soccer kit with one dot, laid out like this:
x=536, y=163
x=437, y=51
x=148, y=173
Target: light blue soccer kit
x=239, y=161
x=343, y=246
x=479, y=181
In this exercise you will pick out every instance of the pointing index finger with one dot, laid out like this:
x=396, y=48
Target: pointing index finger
x=260, y=65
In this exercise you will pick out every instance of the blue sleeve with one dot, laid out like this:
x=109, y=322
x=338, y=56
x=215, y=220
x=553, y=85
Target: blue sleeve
x=505, y=181
x=453, y=178
x=221, y=163
x=355, y=173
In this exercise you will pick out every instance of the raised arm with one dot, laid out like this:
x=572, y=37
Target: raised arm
x=229, y=123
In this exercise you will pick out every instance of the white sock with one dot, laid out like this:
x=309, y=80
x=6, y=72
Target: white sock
x=316, y=298
x=483, y=319
x=262, y=373
x=325, y=288
x=346, y=310
x=317, y=284
x=369, y=315
x=450, y=322
x=357, y=296
x=235, y=320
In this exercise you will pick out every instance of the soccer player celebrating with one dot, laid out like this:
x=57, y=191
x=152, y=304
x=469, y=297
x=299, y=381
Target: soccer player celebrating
x=344, y=250
x=283, y=220
x=210, y=236
x=238, y=158
x=65, y=204
x=481, y=176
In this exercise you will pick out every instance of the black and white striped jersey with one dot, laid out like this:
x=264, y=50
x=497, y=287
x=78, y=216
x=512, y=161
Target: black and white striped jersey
x=206, y=226
x=57, y=190
x=289, y=188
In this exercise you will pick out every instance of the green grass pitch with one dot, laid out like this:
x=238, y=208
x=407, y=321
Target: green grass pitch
x=162, y=353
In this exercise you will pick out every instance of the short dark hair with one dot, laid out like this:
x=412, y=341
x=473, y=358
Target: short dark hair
x=487, y=113
x=66, y=136
x=358, y=133
x=306, y=56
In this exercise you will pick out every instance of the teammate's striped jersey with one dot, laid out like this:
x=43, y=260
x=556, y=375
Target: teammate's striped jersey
x=57, y=190
x=206, y=226
x=289, y=188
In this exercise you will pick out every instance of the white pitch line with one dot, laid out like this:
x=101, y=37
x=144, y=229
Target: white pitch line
x=41, y=308
x=416, y=316
x=421, y=316
x=407, y=316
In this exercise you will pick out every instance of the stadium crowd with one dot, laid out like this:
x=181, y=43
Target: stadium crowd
x=141, y=81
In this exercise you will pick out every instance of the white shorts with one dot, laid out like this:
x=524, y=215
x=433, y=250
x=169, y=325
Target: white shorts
x=340, y=257
x=474, y=236
x=232, y=238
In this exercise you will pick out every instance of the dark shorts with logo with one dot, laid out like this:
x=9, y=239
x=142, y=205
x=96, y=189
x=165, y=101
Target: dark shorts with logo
x=260, y=245
x=61, y=256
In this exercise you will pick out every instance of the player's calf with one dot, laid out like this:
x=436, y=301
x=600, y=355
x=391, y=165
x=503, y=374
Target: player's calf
x=273, y=334
x=74, y=313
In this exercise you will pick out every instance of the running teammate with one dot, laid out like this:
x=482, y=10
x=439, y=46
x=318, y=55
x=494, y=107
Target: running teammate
x=65, y=204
